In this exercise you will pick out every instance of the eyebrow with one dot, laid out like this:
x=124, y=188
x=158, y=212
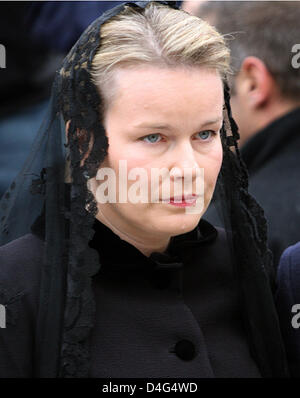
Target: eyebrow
x=169, y=127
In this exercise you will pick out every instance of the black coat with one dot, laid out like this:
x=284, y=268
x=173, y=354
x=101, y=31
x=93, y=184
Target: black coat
x=288, y=305
x=162, y=316
x=272, y=157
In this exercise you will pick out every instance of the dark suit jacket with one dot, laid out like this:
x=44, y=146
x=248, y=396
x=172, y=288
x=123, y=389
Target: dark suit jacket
x=288, y=304
x=272, y=159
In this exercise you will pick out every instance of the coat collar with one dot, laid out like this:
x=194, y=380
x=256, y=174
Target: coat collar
x=117, y=254
x=274, y=138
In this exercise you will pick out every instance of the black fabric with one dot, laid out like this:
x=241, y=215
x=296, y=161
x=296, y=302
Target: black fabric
x=69, y=307
x=30, y=68
x=272, y=160
x=288, y=300
x=142, y=324
x=191, y=328
x=20, y=274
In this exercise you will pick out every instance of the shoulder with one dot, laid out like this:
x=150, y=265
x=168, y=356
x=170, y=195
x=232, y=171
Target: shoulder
x=20, y=268
x=289, y=265
x=291, y=256
x=20, y=263
x=28, y=242
x=22, y=251
x=287, y=303
x=289, y=269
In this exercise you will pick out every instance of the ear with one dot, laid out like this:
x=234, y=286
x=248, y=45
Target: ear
x=255, y=82
x=80, y=135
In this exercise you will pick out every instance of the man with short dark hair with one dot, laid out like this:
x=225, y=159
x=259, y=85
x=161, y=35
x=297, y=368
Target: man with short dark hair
x=266, y=105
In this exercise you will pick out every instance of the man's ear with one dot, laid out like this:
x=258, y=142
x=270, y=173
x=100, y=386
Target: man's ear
x=256, y=81
x=80, y=135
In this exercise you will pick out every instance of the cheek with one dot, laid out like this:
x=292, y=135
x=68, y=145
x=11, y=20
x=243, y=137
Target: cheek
x=131, y=159
x=219, y=158
x=126, y=152
x=124, y=170
x=213, y=164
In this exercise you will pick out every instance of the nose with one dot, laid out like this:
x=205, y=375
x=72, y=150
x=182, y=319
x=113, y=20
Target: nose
x=183, y=162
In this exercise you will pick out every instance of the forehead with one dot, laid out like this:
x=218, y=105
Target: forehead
x=167, y=93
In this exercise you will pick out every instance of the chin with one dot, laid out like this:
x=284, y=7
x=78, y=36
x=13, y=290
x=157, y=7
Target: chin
x=178, y=224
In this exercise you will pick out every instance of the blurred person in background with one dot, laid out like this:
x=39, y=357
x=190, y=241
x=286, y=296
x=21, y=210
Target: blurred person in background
x=288, y=304
x=265, y=99
x=36, y=38
x=25, y=84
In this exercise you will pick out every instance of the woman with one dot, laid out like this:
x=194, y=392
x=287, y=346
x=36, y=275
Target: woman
x=137, y=288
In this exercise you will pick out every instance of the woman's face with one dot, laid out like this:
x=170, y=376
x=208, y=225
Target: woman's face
x=163, y=118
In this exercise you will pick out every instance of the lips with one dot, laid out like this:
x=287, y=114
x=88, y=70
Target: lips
x=182, y=199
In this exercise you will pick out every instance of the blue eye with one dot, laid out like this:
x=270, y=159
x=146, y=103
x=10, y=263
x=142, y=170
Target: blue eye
x=204, y=135
x=152, y=138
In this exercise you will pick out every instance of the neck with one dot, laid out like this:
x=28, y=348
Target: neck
x=268, y=114
x=145, y=244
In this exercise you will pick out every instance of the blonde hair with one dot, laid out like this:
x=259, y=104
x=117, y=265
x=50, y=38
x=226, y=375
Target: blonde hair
x=157, y=35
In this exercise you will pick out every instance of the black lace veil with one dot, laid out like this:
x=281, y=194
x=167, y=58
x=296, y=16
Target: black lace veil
x=39, y=200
